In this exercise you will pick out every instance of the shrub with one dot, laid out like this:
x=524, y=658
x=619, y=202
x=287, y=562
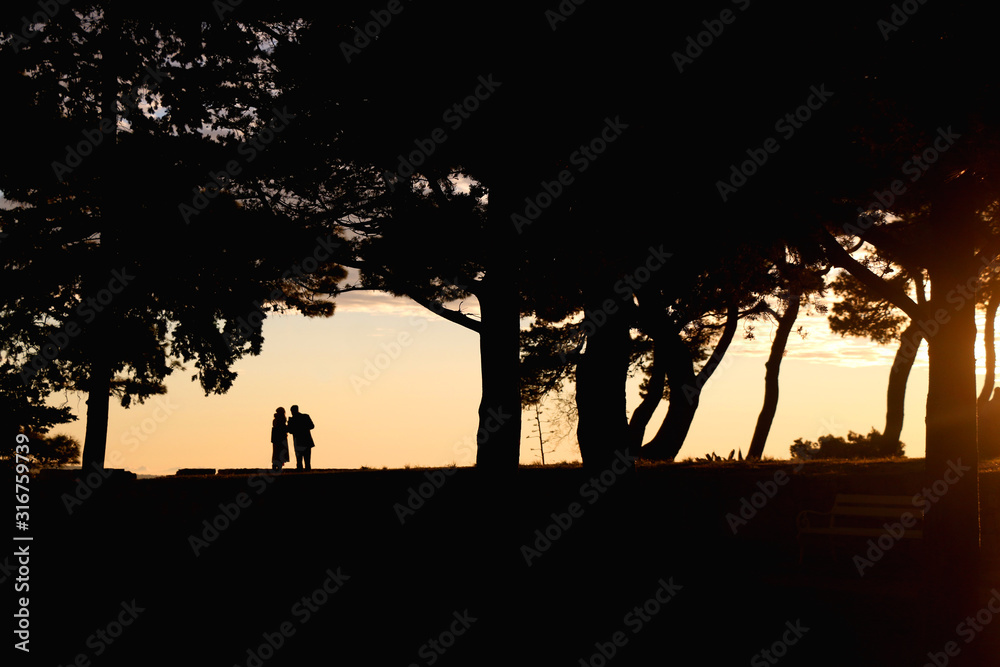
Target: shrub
x=44, y=452
x=856, y=446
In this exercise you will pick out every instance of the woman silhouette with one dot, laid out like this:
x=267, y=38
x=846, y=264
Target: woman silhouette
x=279, y=440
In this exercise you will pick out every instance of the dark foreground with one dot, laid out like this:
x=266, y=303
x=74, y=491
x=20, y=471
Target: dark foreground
x=318, y=568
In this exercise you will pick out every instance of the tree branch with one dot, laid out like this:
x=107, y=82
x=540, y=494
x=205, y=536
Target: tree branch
x=450, y=315
x=897, y=297
x=721, y=346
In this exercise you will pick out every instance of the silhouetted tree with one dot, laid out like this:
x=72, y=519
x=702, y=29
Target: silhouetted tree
x=858, y=314
x=691, y=311
x=396, y=180
x=799, y=279
x=941, y=229
x=988, y=405
x=126, y=123
x=44, y=451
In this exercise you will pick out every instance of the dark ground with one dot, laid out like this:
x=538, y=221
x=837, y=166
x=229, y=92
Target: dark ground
x=460, y=555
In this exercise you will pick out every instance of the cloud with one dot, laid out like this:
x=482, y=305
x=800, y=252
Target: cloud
x=820, y=345
x=380, y=303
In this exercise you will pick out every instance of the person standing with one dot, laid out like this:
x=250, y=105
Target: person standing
x=299, y=425
x=279, y=440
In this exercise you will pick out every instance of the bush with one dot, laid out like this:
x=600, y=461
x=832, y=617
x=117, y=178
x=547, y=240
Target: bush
x=857, y=446
x=44, y=452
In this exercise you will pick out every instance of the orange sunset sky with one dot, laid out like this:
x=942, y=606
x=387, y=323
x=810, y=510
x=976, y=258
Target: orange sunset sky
x=417, y=403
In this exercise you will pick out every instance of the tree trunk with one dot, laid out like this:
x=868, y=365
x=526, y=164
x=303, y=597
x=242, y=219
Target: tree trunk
x=683, y=382
x=654, y=394
x=602, y=428
x=989, y=341
x=772, y=367
x=988, y=411
x=951, y=528
x=684, y=399
x=951, y=534
x=898, y=376
x=987, y=416
x=95, y=443
x=499, y=434
x=100, y=332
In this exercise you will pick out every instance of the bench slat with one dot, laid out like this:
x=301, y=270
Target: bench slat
x=853, y=499
x=864, y=509
x=859, y=532
x=874, y=511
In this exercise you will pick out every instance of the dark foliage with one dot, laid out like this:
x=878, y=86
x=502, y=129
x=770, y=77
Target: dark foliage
x=856, y=446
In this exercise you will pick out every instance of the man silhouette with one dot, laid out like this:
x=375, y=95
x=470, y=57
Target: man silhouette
x=299, y=425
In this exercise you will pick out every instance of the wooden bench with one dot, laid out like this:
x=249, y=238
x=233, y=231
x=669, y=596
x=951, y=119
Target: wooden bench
x=861, y=516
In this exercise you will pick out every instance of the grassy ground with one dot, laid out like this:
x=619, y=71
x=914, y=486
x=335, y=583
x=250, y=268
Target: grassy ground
x=404, y=567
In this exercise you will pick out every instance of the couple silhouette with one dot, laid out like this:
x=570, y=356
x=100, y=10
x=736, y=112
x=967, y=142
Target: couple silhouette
x=299, y=425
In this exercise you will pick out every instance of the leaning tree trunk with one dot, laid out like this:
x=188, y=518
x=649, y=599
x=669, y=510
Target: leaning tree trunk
x=650, y=401
x=772, y=367
x=685, y=390
x=684, y=400
x=898, y=377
